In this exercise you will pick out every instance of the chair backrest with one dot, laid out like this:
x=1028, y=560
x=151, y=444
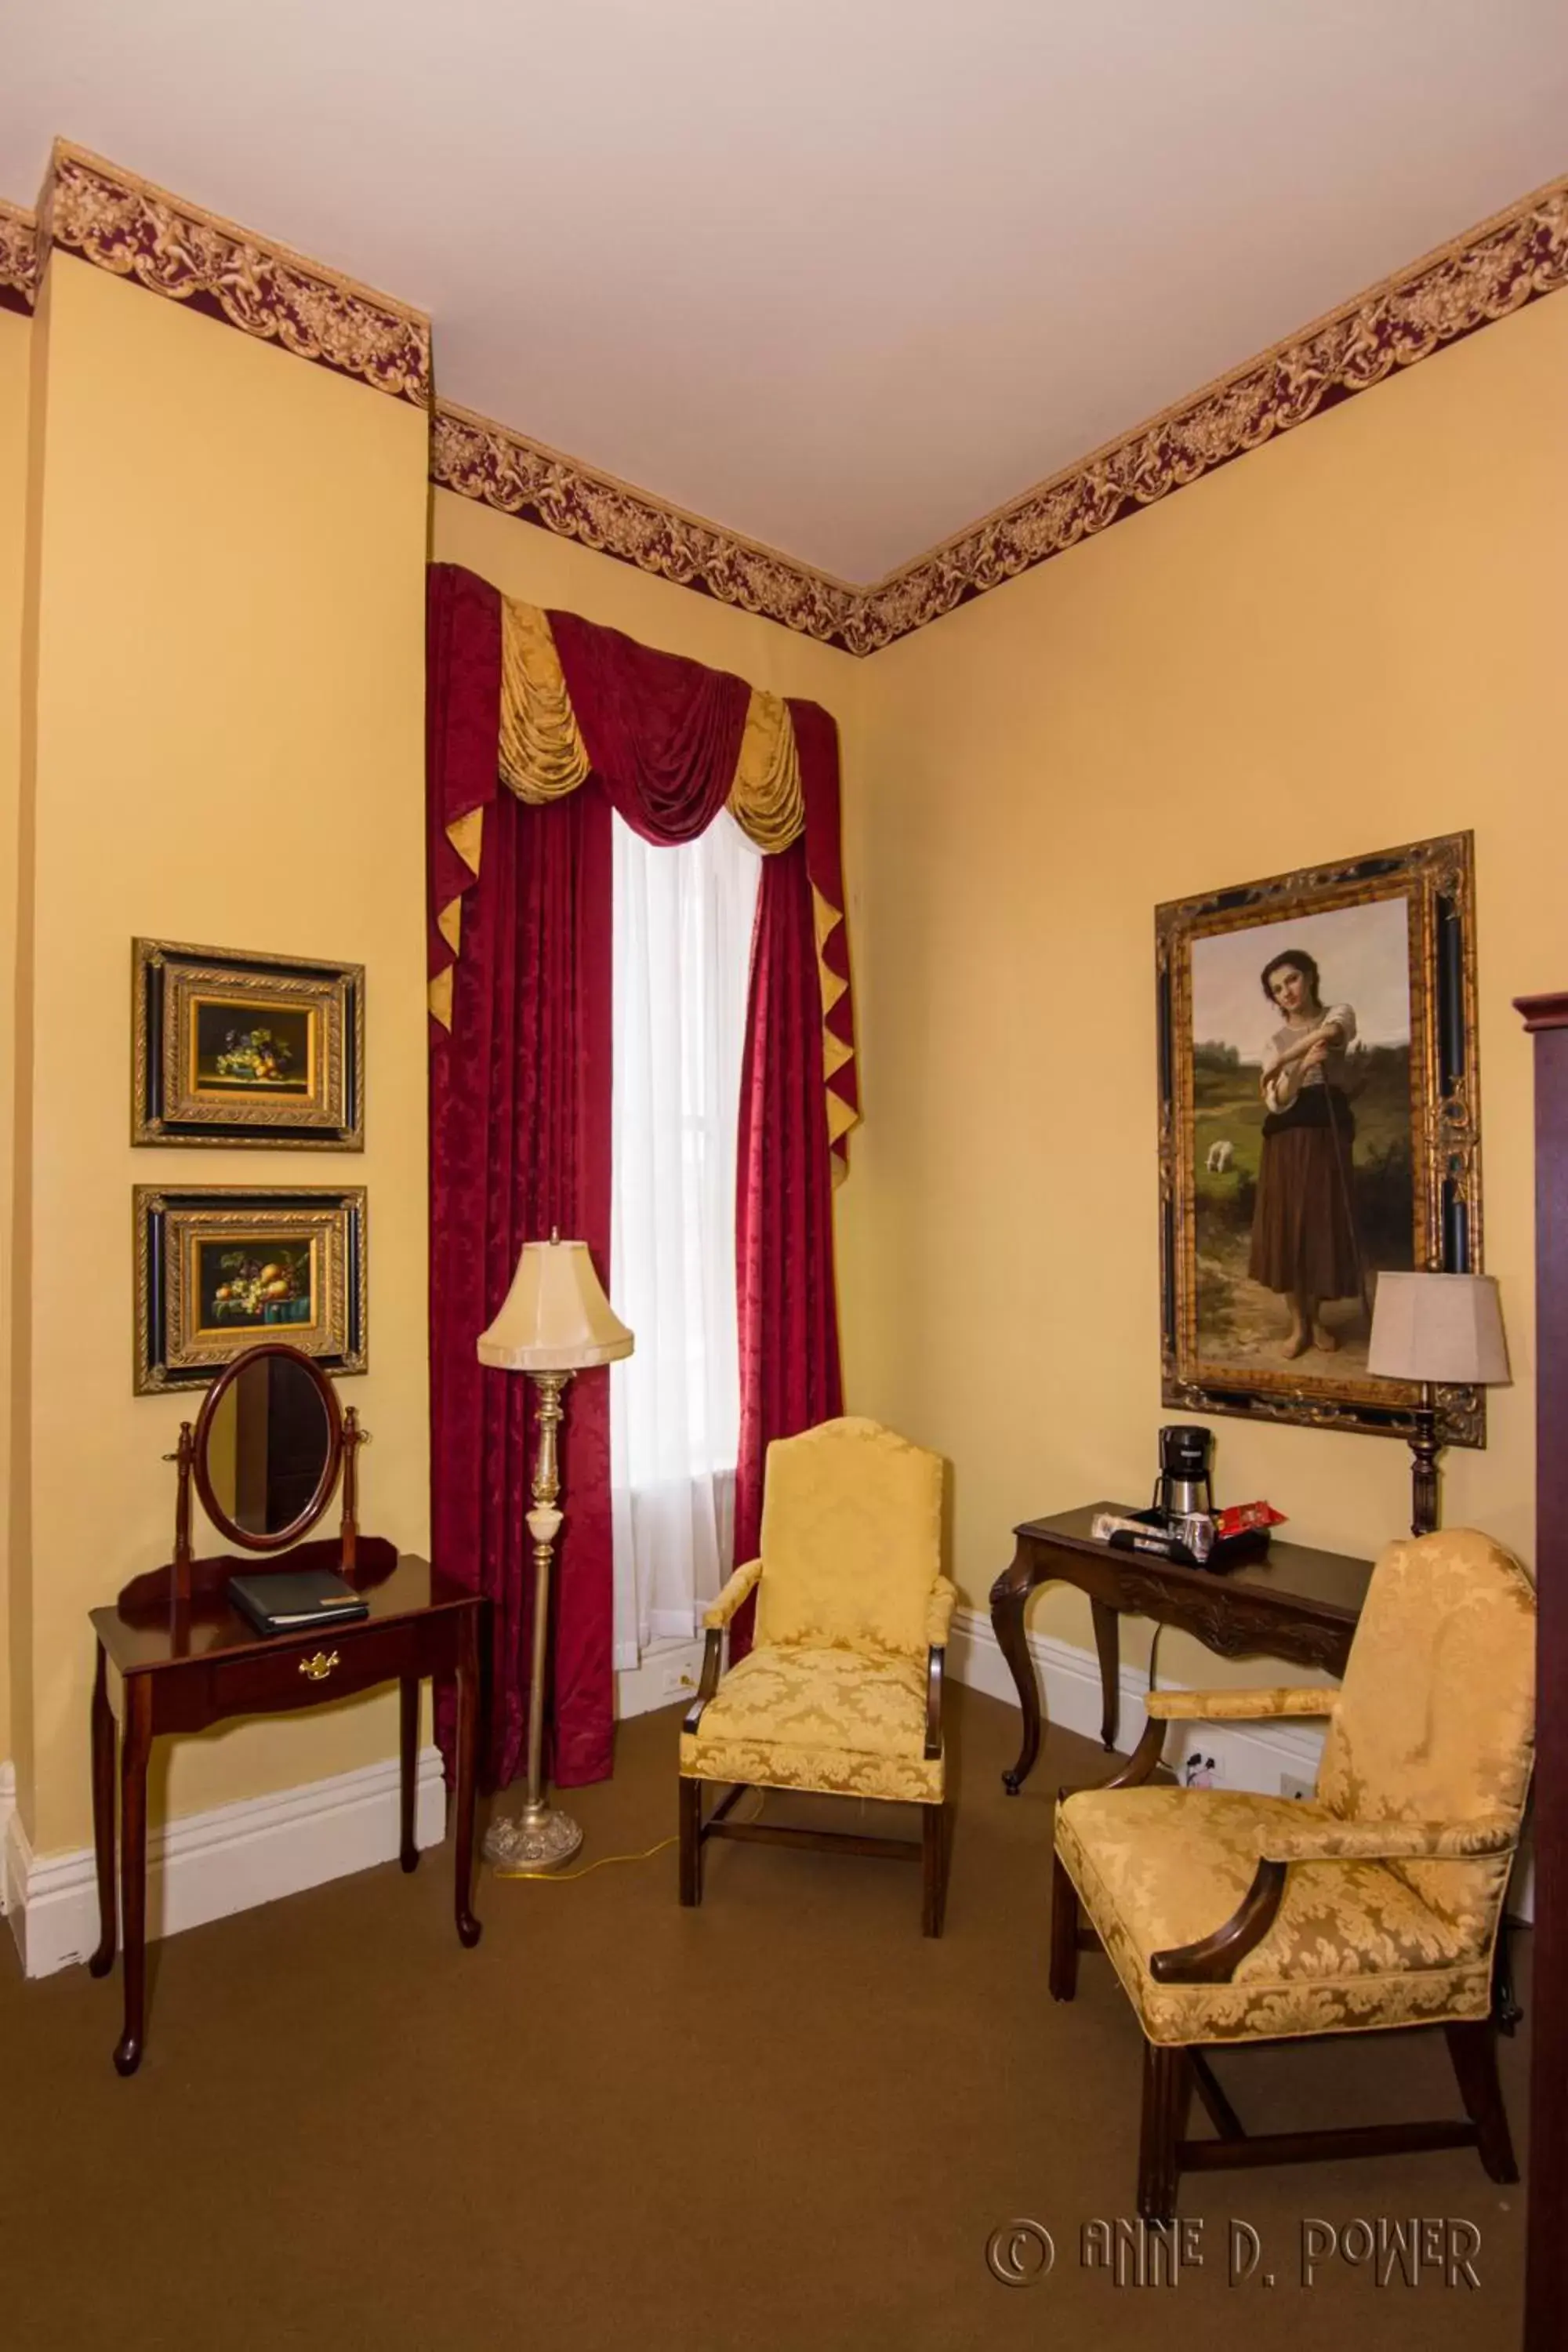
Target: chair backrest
x=1437, y=1717
x=851, y=1539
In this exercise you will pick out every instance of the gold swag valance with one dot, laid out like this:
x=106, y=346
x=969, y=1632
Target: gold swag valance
x=542, y=757
x=541, y=753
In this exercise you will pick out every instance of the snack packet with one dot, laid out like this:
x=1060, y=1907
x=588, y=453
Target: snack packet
x=1241, y=1518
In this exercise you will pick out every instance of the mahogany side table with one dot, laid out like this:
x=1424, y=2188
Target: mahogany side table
x=1293, y=1603
x=210, y=1664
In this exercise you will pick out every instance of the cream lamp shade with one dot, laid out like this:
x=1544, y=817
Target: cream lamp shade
x=555, y=1318
x=1438, y=1327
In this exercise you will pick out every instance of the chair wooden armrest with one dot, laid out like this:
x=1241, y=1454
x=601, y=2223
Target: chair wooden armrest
x=934, y=1658
x=939, y=1624
x=939, y=1612
x=719, y=1612
x=714, y=1619
x=1212, y=1959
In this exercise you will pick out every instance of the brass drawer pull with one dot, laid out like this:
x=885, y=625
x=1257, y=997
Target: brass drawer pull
x=319, y=1666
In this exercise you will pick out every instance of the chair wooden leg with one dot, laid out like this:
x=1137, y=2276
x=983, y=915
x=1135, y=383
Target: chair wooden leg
x=690, y=1842
x=1064, y=1933
x=935, y=1847
x=1167, y=2086
x=1473, y=2048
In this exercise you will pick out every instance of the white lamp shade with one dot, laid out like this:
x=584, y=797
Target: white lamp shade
x=556, y=1319
x=1438, y=1327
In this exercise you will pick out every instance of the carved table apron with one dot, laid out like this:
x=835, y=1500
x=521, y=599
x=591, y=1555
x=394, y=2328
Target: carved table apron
x=1292, y=1603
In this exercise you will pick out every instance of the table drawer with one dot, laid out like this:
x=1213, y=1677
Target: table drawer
x=327, y=1665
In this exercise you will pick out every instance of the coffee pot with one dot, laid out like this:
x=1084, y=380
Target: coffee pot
x=1185, y=1484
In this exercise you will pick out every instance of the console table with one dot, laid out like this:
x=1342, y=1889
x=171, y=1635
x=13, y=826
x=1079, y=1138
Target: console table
x=1292, y=1602
x=184, y=1669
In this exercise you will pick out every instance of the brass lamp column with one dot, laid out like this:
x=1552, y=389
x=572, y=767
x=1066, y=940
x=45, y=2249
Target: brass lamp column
x=556, y=1321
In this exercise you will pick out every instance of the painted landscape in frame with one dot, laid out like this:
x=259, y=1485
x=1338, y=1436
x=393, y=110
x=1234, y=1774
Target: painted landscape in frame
x=1319, y=1126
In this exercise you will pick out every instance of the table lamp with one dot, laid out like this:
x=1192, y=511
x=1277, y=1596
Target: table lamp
x=1431, y=1328
x=556, y=1321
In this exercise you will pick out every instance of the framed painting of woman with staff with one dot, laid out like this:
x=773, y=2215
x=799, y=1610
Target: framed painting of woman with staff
x=1319, y=1126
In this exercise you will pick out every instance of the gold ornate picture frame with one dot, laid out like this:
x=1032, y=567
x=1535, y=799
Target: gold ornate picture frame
x=231, y=1046
x=218, y=1270
x=1320, y=1123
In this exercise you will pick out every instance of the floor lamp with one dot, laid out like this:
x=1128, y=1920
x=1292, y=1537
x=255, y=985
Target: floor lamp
x=556, y=1321
x=1430, y=1328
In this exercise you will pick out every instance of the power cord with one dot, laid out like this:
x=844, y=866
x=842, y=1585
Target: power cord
x=559, y=1877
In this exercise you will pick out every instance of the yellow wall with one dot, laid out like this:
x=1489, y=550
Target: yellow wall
x=15, y=335
x=1350, y=639
x=1344, y=641
x=228, y=572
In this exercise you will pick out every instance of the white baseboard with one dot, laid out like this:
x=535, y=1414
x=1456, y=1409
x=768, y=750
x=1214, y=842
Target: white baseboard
x=206, y=1865
x=1246, y=1755
x=7, y=1806
x=667, y=1673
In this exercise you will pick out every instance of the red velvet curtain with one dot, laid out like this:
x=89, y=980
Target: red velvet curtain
x=519, y=1111
x=519, y=1141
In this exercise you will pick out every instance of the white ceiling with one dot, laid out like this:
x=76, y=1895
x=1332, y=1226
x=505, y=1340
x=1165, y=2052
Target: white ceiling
x=841, y=274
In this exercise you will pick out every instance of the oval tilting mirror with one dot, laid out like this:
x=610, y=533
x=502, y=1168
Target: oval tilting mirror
x=268, y=1446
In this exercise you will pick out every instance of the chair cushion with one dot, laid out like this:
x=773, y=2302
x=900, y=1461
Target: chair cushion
x=1354, y=1949
x=792, y=1717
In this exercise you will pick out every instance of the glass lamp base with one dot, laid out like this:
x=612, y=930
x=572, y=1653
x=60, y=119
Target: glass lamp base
x=539, y=1838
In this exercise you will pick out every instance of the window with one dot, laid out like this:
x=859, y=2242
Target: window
x=682, y=941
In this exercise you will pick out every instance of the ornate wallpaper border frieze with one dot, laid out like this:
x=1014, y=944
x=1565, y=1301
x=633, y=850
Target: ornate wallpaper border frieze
x=18, y=259
x=125, y=224
x=1483, y=276
x=481, y=459
x=1491, y=271
x=128, y=225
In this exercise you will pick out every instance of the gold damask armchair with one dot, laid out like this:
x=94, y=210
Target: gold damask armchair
x=1234, y=1918
x=841, y=1691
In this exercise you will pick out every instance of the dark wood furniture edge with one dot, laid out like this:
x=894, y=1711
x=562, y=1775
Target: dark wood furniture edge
x=1214, y=1959
x=147, y=1596
x=1546, y=1017
x=1230, y=1615
x=1542, y=1012
x=144, y=1683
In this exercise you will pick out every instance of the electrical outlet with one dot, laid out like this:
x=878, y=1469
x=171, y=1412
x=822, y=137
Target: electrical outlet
x=1202, y=1769
x=1290, y=1786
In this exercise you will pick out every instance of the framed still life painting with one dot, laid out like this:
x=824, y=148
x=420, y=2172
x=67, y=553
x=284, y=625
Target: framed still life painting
x=1318, y=1126
x=234, y=1047
x=218, y=1270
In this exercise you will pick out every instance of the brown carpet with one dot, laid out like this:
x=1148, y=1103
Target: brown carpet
x=784, y=2121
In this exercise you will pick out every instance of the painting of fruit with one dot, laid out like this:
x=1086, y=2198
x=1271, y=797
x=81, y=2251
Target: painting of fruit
x=237, y=1052
x=254, y=1285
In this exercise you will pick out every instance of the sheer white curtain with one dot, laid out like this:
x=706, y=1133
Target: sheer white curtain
x=683, y=922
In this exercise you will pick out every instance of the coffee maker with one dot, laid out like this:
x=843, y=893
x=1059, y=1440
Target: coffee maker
x=1186, y=1484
